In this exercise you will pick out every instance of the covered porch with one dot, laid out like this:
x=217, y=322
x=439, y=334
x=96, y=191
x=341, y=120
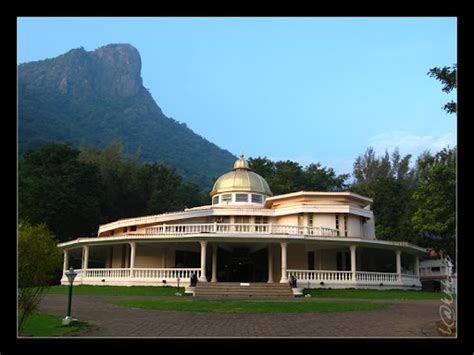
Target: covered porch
x=314, y=263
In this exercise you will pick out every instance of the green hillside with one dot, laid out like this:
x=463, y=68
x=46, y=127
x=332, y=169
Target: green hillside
x=95, y=98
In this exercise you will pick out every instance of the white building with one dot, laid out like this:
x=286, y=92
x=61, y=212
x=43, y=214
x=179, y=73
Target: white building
x=437, y=274
x=324, y=239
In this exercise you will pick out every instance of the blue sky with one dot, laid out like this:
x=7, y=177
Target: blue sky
x=305, y=89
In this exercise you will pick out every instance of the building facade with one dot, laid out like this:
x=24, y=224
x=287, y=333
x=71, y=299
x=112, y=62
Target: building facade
x=437, y=274
x=323, y=239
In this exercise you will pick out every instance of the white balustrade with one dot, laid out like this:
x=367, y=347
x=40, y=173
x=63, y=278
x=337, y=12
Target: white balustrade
x=181, y=229
x=320, y=275
x=346, y=276
x=142, y=273
x=377, y=277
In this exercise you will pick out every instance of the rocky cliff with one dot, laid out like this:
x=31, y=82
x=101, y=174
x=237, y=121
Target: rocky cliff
x=97, y=97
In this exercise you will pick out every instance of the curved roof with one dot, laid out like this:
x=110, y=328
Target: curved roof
x=241, y=178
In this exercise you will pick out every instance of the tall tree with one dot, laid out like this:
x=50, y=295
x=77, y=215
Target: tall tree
x=118, y=173
x=57, y=189
x=389, y=180
x=288, y=176
x=320, y=178
x=434, y=217
x=447, y=76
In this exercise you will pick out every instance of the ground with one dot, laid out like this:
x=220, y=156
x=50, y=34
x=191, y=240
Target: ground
x=401, y=318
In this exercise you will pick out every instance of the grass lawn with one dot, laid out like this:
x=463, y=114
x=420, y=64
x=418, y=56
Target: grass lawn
x=377, y=294
x=114, y=290
x=48, y=325
x=238, y=306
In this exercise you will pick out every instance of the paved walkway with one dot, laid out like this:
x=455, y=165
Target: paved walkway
x=399, y=319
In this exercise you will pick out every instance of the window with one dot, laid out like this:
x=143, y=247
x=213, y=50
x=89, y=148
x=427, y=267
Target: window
x=345, y=226
x=226, y=198
x=337, y=224
x=241, y=198
x=261, y=219
x=435, y=268
x=343, y=261
x=241, y=219
x=125, y=229
x=215, y=200
x=300, y=219
x=133, y=228
x=310, y=260
x=257, y=198
x=310, y=220
x=223, y=219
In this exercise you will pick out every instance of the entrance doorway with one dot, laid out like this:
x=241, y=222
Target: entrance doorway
x=242, y=265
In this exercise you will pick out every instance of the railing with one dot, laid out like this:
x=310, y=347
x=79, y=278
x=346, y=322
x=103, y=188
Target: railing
x=106, y=273
x=143, y=273
x=181, y=229
x=410, y=276
x=320, y=275
x=377, y=277
x=165, y=273
x=344, y=276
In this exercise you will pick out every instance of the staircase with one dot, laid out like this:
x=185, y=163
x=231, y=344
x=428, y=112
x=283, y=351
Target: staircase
x=236, y=290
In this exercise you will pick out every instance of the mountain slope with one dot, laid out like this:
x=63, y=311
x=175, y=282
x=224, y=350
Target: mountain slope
x=97, y=97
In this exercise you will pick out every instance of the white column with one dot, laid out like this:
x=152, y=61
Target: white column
x=284, y=277
x=214, y=263
x=132, y=257
x=202, y=278
x=85, y=258
x=353, y=262
x=398, y=258
x=270, y=263
x=417, y=265
x=66, y=260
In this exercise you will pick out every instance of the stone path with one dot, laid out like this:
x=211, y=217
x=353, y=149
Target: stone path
x=399, y=319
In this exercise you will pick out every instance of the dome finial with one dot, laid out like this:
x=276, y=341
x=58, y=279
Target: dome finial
x=241, y=163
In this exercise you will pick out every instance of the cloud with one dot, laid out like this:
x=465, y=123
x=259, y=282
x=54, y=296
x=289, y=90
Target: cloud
x=410, y=143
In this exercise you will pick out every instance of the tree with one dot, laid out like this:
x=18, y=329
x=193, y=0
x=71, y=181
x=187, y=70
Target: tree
x=320, y=178
x=38, y=261
x=263, y=167
x=389, y=181
x=288, y=176
x=435, y=200
x=159, y=187
x=447, y=76
x=57, y=189
x=120, y=191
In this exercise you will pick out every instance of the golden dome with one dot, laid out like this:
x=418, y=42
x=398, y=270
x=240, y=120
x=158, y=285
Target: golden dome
x=241, y=178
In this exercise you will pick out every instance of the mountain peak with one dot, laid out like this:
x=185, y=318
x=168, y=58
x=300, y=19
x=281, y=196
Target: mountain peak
x=119, y=67
x=97, y=97
x=110, y=71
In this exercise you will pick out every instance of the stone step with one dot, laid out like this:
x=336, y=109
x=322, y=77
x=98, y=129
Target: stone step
x=256, y=290
x=228, y=284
